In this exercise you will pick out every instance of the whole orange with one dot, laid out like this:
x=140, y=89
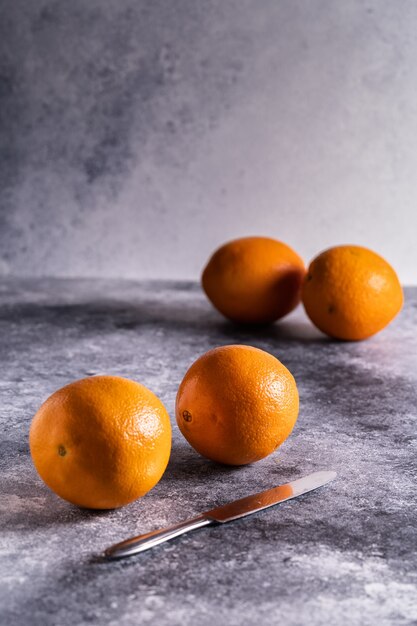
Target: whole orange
x=254, y=280
x=237, y=404
x=101, y=442
x=351, y=292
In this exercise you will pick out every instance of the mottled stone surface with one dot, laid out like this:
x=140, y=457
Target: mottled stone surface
x=131, y=127
x=343, y=555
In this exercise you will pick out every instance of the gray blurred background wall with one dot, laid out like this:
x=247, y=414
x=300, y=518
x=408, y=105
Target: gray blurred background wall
x=137, y=136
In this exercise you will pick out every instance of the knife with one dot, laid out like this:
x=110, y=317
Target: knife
x=222, y=514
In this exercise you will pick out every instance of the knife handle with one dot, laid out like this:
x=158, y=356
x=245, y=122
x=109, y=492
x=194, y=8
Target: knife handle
x=154, y=538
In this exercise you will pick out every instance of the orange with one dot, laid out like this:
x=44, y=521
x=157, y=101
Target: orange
x=351, y=292
x=254, y=280
x=101, y=442
x=237, y=404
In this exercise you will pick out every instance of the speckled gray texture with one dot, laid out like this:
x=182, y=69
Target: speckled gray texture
x=137, y=135
x=342, y=556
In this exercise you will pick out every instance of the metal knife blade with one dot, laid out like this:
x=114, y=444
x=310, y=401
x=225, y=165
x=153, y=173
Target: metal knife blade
x=257, y=502
x=227, y=513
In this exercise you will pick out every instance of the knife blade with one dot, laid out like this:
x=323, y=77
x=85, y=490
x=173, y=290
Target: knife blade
x=222, y=514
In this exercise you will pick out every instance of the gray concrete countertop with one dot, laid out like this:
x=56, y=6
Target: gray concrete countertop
x=343, y=555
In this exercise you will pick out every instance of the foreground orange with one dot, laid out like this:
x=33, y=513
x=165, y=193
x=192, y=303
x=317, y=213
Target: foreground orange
x=254, y=280
x=101, y=442
x=351, y=292
x=237, y=404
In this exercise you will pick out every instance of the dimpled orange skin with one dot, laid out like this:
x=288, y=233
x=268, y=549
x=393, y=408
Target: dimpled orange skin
x=101, y=442
x=237, y=404
x=254, y=280
x=351, y=292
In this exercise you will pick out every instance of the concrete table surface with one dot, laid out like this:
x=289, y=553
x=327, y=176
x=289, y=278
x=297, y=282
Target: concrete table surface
x=343, y=555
